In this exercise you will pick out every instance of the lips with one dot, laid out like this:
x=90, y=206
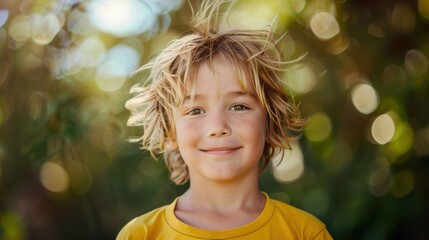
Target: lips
x=221, y=150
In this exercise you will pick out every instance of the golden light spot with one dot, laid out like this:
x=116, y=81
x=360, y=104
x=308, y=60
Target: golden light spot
x=44, y=28
x=20, y=29
x=289, y=166
x=296, y=6
x=423, y=7
x=403, y=139
x=301, y=80
x=376, y=30
x=254, y=15
x=53, y=177
x=324, y=25
x=364, y=98
x=383, y=129
x=253, y=18
x=318, y=128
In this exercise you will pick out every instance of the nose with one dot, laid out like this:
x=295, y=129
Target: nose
x=218, y=124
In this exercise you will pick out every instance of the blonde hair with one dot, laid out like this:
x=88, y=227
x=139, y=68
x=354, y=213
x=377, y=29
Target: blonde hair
x=172, y=74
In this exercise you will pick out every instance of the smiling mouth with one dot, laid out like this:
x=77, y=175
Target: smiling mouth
x=226, y=150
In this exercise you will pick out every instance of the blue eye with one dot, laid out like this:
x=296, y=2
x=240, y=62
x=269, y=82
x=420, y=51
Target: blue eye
x=239, y=108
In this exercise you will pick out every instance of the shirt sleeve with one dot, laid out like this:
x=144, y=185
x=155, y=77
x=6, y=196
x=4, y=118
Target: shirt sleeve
x=133, y=231
x=323, y=235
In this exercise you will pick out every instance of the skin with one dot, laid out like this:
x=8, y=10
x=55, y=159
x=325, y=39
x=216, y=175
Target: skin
x=221, y=137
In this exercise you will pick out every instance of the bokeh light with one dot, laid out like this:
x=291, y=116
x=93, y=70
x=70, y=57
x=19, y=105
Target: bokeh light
x=289, y=166
x=255, y=16
x=383, y=129
x=361, y=87
x=302, y=79
x=120, y=61
x=324, y=25
x=4, y=14
x=318, y=127
x=296, y=6
x=423, y=8
x=364, y=98
x=20, y=30
x=402, y=141
x=121, y=18
x=45, y=27
x=78, y=22
x=376, y=30
x=416, y=63
x=91, y=52
x=54, y=177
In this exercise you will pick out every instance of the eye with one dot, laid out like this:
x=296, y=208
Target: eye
x=194, y=111
x=239, y=107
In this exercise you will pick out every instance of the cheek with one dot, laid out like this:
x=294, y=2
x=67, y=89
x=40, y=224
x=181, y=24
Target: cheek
x=254, y=129
x=186, y=132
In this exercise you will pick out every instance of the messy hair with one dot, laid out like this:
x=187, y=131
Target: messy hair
x=252, y=53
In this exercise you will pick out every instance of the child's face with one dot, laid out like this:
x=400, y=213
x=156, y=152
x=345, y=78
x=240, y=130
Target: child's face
x=221, y=131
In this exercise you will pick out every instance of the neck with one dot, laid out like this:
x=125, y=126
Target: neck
x=222, y=197
x=216, y=205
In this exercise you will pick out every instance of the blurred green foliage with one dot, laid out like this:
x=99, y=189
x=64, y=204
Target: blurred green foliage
x=67, y=171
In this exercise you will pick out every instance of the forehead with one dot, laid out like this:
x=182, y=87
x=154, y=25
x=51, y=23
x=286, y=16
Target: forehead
x=218, y=73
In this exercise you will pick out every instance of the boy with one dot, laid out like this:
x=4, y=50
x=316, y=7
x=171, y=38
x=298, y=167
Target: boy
x=215, y=105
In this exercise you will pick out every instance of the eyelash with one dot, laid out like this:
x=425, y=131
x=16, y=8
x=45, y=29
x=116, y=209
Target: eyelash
x=197, y=111
x=192, y=111
x=243, y=107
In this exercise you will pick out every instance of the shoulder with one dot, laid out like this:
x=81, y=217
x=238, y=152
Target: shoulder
x=298, y=215
x=299, y=221
x=139, y=227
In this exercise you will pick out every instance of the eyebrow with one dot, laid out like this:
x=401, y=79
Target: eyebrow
x=242, y=93
x=232, y=94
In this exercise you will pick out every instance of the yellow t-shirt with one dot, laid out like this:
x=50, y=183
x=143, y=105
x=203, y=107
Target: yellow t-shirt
x=278, y=220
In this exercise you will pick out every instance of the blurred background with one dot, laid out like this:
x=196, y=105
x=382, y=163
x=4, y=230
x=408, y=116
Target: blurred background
x=68, y=172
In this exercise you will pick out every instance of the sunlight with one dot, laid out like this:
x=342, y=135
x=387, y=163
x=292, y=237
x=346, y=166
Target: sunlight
x=121, y=18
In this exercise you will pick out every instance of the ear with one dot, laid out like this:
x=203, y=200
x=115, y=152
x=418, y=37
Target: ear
x=171, y=145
